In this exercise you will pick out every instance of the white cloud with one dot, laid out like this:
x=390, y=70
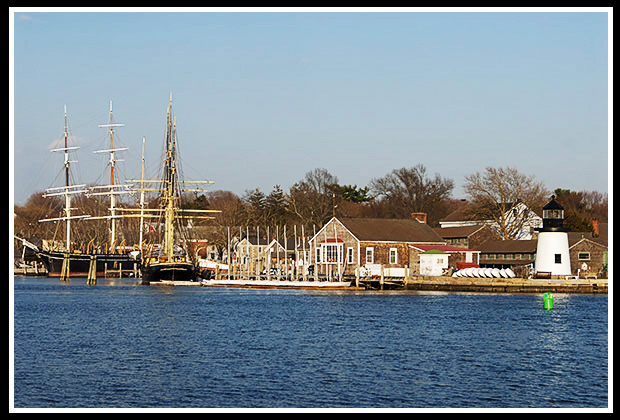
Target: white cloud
x=26, y=18
x=72, y=141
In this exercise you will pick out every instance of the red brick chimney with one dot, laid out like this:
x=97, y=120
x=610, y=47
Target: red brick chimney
x=595, y=227
x=420, y=217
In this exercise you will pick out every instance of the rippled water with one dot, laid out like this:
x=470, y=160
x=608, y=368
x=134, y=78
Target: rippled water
x=125, y=345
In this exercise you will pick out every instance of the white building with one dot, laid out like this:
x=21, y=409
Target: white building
x=433, y=262
x=520, y=220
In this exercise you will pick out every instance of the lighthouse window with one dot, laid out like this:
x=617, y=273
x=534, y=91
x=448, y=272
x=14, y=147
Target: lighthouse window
x=558, y=258
x=553, y=214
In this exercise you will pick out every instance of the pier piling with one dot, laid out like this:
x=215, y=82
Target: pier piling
x=92, y=271
x=64, y=272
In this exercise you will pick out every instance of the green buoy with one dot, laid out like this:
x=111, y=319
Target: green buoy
x=548, y=299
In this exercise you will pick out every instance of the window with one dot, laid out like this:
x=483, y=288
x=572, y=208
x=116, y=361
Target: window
x=349, y=255
x=318, y=255
x=370, y=255
x=393, y=255
x=331, y=253
x=558, y=258
x=553, y=214
x=583, y=256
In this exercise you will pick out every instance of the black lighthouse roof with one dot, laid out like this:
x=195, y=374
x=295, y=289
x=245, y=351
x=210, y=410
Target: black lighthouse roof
x=553, y=205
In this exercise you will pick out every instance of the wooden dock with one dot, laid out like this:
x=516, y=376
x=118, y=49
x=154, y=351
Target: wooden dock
x=30, y=271
x=283, y=284
x=419, y=283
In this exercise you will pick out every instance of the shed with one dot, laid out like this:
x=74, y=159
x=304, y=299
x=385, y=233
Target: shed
x=433, y=262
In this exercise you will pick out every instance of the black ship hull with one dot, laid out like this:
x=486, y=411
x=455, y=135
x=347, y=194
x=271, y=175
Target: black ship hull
x=168, y=271
x=79, y=264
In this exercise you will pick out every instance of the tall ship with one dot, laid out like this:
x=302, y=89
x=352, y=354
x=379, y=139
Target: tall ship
x=170, y=257
x=62, y=259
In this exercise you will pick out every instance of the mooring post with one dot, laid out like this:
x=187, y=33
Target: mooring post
x=64, y=272
x=406, y=276
x=381, y=279
x=92, y=271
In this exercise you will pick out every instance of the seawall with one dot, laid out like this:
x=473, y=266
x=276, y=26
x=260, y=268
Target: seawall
x=507, y=285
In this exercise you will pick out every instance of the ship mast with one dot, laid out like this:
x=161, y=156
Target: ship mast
x=169, y=188
x=67, y=190
x=112, y=187
x=142, y=196
x=169, y=184
x=67, y=196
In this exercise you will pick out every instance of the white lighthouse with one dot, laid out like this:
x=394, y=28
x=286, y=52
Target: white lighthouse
x=552, y=254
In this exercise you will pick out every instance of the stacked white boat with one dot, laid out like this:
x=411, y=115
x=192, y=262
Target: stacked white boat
x=484, y=272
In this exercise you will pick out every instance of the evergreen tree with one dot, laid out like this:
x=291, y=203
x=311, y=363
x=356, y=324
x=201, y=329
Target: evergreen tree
x=256, y=202
x=275, y=205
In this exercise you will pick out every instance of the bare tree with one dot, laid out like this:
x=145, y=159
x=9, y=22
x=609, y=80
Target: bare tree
x=506, y=197
x=312, y=198
x=233, y=211
x=408, y=190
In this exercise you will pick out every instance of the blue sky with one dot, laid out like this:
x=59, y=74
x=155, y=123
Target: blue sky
x=262, y=98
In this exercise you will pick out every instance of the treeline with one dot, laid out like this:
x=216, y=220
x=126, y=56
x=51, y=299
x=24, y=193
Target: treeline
x=313, y=200
x=317, y=197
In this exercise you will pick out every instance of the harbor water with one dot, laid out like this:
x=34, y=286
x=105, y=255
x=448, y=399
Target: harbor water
x=119, y=344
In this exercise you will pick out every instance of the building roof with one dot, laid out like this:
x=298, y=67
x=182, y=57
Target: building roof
x=390, y=230
x=466, y=212
x=458, y=231
x=262, y=240
x=441, y=248
x=513, y=246
x=553, y=205
x=434, y=251
x=463, y=213
x=575, y=242
x=288, y=243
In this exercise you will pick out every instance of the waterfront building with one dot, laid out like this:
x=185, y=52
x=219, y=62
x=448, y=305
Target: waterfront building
x=422, y=257
x=588, y=257
x=343, y=244
x=519, y=256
